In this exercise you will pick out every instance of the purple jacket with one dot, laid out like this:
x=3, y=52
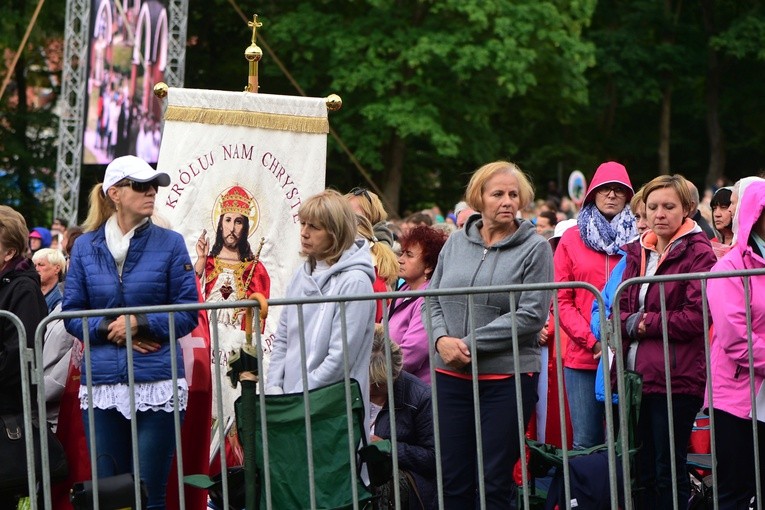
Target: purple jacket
x=730, y=349
x=408, y=331
x=689, y=253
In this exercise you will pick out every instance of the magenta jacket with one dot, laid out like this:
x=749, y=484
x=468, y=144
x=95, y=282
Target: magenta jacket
x=730, y=350
x=689, y=253
x=408, y=331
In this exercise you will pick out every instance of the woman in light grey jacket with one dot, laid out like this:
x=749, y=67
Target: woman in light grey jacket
x=336, y=265
x=494, y=248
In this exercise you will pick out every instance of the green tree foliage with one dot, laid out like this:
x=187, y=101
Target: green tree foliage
x=428, y=87
x=434, y=89
x=28, y=126
x=646, y=47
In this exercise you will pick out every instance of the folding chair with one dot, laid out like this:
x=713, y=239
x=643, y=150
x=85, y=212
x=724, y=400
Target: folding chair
x=288, y=456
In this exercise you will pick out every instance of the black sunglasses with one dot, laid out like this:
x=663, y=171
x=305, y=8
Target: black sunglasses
x=140, y=187
x=361, y=191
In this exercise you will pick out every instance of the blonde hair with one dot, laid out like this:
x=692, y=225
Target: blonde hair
x=14, y=233
x=54, y=258
x=378, y=365
x=637, y=198
x=677, y=182
x=370, y=205
x=330, y=211
x=473, y=194
x=100, y=208
x=385, y=260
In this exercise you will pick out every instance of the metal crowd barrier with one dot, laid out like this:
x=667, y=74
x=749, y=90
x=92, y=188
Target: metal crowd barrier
x=610, y=335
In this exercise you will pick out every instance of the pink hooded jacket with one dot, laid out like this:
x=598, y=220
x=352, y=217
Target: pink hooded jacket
x=730, y=351
x=575, y=262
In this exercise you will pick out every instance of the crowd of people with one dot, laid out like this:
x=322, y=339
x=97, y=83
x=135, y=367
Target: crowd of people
x=499, y=235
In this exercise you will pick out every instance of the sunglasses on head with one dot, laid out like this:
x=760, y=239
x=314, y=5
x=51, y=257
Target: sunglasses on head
x=361, y=191
x=139, y=187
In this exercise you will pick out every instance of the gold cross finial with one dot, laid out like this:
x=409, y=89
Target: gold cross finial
x=255, y=24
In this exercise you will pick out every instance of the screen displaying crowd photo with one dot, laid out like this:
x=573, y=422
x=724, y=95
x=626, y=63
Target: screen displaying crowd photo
x=128, y=54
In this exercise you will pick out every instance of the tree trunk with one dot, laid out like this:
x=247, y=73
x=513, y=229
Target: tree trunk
x=396, y=154
x=665, y=120
x=672, y=13
x=712, y=98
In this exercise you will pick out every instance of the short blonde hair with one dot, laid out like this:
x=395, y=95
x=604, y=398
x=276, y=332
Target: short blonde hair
x=370, y=204
x=330, y=211
x=14, y=233
x=473, y=194
x=637, y=199
x=677, y=182
x=54, y=258
x=378, y=365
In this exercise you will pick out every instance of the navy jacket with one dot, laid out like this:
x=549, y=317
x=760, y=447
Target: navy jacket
x=414, y=432
x=157, y=271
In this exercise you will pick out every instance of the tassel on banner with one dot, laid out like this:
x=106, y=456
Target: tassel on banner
x=294, y=123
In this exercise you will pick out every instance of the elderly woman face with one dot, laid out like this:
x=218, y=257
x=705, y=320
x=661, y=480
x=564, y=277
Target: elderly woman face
x=501, y=200
x=665, y=212
x=314, y=239
x=411, y=264
x=48, y=272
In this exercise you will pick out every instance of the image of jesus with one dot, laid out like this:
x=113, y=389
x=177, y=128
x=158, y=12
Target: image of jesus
x=230, y=270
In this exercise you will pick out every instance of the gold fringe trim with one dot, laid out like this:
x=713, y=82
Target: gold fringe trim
x=274, y=121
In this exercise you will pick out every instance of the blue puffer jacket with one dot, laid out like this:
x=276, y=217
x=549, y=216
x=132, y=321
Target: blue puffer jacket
x=157, y=271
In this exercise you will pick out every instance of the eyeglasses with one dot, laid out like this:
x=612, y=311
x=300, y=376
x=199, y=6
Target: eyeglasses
x=139, y=187
x=619, y=191
x=361, y=191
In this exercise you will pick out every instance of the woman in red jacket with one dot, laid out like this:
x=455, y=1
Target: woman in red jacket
x=589, y=253
x=675, y=244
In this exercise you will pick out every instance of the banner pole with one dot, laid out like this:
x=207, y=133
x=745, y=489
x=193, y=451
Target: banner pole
x=253, y=54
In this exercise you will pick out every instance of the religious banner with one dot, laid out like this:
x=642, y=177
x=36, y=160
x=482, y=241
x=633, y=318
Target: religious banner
x=240, y=164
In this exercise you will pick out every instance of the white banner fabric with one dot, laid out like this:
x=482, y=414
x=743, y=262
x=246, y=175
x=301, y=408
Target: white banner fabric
x=240, y=165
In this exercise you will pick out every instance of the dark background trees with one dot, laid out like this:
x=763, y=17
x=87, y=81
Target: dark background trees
x=28, y=124
x=432, y=90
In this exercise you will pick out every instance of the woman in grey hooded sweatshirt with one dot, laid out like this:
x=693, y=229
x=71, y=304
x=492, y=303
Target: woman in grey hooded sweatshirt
x=336, y=264
x=494, y=248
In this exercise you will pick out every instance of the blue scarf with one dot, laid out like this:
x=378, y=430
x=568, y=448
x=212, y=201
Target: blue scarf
x=599, y=234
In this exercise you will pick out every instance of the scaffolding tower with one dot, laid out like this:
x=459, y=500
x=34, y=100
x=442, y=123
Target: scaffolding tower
x=74, y=94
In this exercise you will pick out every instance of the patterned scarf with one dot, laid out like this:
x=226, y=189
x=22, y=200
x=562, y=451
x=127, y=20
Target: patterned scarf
x=601, y=235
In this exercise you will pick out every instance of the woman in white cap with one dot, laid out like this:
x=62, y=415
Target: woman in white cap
x=589, y=254
x=124, y=260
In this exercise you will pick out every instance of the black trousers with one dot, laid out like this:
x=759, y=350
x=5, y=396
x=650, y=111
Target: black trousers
x=734, y=445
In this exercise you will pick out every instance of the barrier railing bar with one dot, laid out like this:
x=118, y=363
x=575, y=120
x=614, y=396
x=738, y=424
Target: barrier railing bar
x=708, y=360
x=427, y=316
x=176, y=410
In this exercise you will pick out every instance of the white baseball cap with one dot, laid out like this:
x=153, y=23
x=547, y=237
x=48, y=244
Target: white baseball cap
x=133, y=168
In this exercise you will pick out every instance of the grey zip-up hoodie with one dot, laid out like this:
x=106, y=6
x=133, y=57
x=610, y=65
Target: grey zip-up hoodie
x=465, y=261
x=351, y=275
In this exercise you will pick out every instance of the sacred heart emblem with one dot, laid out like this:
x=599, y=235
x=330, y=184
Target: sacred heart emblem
x=226, y=289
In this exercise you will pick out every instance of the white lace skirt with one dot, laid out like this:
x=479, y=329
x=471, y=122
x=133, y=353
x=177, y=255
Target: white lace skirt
x=150, y=396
